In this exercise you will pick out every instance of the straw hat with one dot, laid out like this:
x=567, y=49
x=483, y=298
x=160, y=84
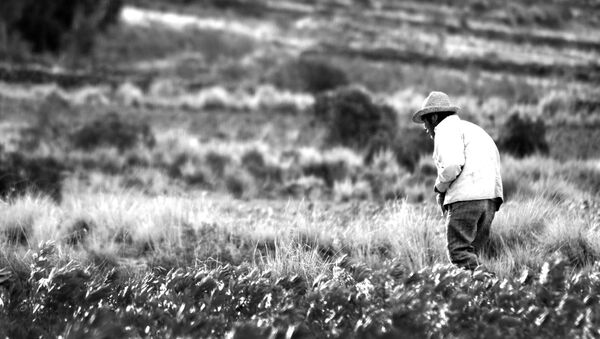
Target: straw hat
x=435, y=102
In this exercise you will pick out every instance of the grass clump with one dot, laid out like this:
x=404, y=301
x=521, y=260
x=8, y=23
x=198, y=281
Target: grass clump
x=26, y=220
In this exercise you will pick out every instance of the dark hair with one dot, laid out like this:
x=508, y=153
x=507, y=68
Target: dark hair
x=441, y=115
x=444, y=115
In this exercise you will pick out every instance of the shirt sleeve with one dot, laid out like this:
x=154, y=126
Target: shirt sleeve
x=449, y=156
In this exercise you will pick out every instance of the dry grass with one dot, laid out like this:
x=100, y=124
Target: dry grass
x=295, y=237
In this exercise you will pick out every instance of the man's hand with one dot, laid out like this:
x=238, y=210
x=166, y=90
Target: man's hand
x=440, y=200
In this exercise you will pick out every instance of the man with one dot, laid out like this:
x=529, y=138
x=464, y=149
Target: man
x=468, y=184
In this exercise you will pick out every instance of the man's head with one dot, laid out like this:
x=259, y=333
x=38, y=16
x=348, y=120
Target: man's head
x=434, y=109
x=433, y=119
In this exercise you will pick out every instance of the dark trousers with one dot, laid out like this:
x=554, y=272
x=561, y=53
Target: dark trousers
x=468, y=229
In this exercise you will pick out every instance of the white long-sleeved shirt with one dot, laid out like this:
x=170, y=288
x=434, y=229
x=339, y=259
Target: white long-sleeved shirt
x=467, y=161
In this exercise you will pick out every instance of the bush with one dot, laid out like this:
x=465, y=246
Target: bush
x=354, y=120
x=239, y=183
x=110, y=130
x=254, y=162
x=51, y=25
x=20, y=175
x=217, y=162
x=410, y=144
x=522, y=136
x=309, y=75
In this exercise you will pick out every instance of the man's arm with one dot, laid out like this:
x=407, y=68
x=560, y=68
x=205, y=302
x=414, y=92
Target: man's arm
x=449, y=157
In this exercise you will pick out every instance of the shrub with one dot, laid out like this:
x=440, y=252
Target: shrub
x=522, y=136
x=110, y=130
x=309, y=75
x=20, y=175
x=409, y=145
x=254, y=161
x=217, y=162
x=239, y=183
x=51, y=25
x=354, y=120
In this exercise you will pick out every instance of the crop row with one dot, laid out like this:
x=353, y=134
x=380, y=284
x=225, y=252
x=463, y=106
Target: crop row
x=395, y=15
x=477, y=29
x=585, y=73
x=46, y=299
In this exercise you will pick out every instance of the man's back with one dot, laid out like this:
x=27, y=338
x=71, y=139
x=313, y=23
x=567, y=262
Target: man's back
x=465, y=144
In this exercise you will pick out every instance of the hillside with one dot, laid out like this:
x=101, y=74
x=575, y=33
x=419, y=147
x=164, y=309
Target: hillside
x=249, y=169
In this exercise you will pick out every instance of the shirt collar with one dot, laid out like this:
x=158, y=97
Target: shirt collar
x=447, y=121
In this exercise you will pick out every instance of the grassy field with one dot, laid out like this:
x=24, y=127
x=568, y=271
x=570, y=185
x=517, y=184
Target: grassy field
x=195, y=181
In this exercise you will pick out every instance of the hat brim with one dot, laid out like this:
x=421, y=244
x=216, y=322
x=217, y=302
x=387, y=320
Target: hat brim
x=418, y=116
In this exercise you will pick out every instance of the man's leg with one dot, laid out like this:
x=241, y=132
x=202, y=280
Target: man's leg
x=462, y=223
x=483, y=226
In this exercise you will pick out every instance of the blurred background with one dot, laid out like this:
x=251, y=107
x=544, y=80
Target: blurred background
x=286, y=99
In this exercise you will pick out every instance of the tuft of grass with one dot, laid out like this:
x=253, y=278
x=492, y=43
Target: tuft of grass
x=289, y=258
x=27, y=220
